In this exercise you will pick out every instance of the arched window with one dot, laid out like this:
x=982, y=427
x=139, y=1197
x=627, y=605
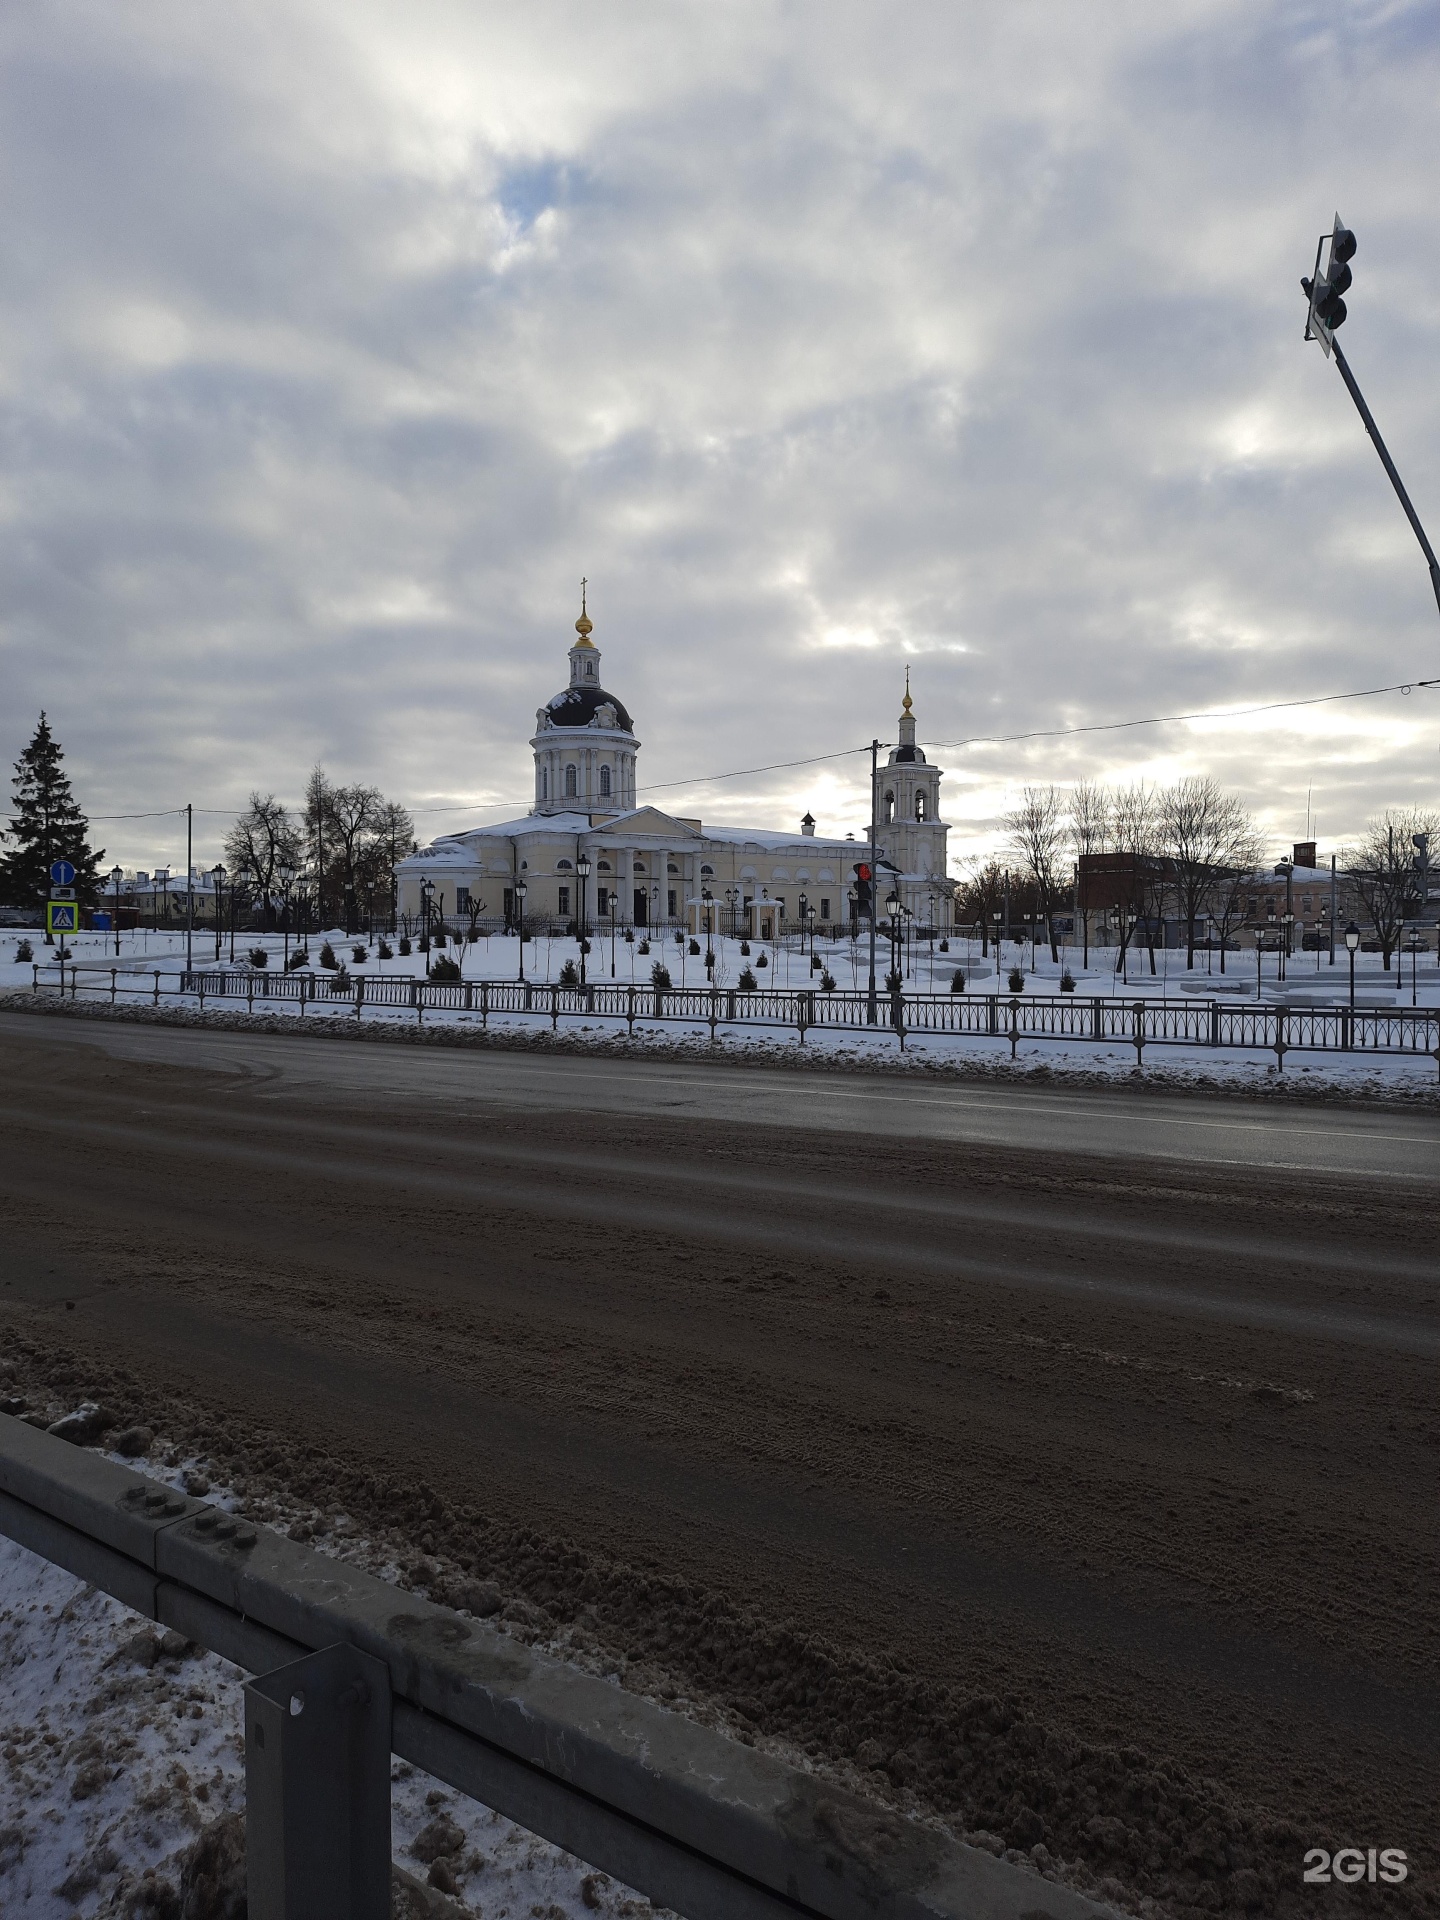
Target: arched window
x=920, y=813
x=562, y=866
x=544, y=783
x=604, y=783
x=889, y=808
x=569, y=783
x=590, y=669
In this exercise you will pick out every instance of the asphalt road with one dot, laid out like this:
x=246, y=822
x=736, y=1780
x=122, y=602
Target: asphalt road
x=1120, y=1408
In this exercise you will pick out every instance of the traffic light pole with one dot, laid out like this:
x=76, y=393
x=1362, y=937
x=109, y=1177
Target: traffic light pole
x=871, y=1010
x=1389, y=465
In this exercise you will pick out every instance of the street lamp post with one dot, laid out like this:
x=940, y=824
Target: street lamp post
x=995, y=941
x=892, y=902
x=217, y=880
x=1285, y=950
x=803, y=907
x=285, y=874
x=582, y=868
x=520, y=891
x=117, y=874
x=732, y=900
x=1352, y=947
x=709, y=899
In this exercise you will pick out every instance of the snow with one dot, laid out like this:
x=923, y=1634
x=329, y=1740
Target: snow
x=1311, y=982
x=115, y=1757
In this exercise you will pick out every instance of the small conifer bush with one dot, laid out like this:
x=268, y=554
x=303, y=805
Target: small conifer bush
x=1017, y=979
x=746, y=982
x=660, y=976
x=327, y=958
x=404, y=949
x=444, y=968
x=258, y=957
x=957, y=980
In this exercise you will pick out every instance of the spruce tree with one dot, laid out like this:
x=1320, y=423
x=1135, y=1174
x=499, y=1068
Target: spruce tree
x=46, y=826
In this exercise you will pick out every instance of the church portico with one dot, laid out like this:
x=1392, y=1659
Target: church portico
x=648, y=868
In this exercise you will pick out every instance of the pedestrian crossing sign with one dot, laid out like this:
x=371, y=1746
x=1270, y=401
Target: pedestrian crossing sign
x=62, y=916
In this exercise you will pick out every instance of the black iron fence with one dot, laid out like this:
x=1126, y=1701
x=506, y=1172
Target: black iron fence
x=1075, y=1018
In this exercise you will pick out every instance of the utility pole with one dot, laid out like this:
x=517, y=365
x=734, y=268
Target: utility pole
x=871, y=1010
x=189, y=885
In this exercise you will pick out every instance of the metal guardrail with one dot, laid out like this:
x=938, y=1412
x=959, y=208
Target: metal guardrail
x=1137, y=1023
x=697, y=1821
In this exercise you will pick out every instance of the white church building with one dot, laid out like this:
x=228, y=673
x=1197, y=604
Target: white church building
x=649, y=868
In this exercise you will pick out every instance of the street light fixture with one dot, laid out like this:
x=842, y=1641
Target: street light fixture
x=285, y=874
x=217, y=877
x=709, y=899
x=583, y=868
x=732, y=900
x=520, y=892
x=117, y=874
x=1352, y=947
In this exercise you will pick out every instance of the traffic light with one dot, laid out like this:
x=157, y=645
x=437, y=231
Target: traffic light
x=1326, y=292
x=864, y=896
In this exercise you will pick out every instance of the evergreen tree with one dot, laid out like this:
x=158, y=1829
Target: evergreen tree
x=46, y=826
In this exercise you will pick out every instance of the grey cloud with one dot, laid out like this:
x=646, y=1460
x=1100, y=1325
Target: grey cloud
x=336, y=344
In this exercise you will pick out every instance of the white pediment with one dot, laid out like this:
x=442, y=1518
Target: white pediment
x=651, y=822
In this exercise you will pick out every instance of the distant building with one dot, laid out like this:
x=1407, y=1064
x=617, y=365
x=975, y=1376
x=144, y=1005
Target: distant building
x=652, y=868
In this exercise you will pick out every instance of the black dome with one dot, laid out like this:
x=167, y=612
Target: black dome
x=907, y=756
x=576, y=707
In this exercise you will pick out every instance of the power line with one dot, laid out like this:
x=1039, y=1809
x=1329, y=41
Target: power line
x=845, y=753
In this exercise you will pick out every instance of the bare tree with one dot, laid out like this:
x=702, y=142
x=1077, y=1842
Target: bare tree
x=1133, y=832
x=1236, y=881
x=1037, y=838
x=1089, y=822
x=351, y=816
x=1201, y=829
x=390, y=840
x=1383, y=870
x=979, y=897
x=262, y=840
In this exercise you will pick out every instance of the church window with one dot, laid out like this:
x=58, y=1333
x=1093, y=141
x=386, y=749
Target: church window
x=707, y=873
x=889, y=808
x=604, y=783
x=920, y=805
x=564, y=900
x=562, y=866
x=462, y=899
x=670, y=867
x=824, y=909
x=603, y=866
x=670, y=908
x=569, y=783
x=780, y=873
x=589, y=669
x=827, y=873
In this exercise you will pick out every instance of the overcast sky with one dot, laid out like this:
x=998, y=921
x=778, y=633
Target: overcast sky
x=339, y=339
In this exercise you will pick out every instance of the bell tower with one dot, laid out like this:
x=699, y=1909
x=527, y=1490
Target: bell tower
x=909, y=829
x=584, y=741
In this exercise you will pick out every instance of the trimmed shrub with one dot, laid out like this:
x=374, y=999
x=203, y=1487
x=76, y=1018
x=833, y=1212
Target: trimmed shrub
x=444, y=968
x=644, y=947
x=384, y=951
x=327, y=958
x=439, y=936
x=404, y=949
x=300, y=958
x=694, y=946
x=569, y=975
x=957, y=980
x=762, y=960
x=827, y=981
x=1017, y=979
x=745, y=948
x=1067, y=981
x=424, y=943
x=629, y=936
x=944, y=946
x=746, y=983
x=258, y=957
x=894, y=982
x=660, y=975
x=359, y=953
x=24, y=951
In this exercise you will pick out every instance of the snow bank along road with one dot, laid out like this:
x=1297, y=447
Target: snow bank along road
x=1065, y=1461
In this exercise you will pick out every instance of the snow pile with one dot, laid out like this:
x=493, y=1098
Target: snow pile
x=122, y=1743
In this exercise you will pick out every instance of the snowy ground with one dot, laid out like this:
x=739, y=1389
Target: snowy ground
x=1311, y=982
x=121, y=1742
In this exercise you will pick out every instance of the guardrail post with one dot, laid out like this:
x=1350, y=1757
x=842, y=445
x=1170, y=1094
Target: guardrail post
x=630, y=1010
x=554, y=1008
x=992, y=1007
x=35, y=977
x=659, y=1003
x=1214, y=1023
x=897, y=1016
x=800, y=1011
x=485, y=1003
x=359, y=993
x=249, y=993
x=113, y=972
x=1097, y=1017
x=714, y=1016
x=469, y=996
x=1014, y=1027
x=1140, y=1035
x=317, y=1789
x=1281, y=1044
x=156, y=1000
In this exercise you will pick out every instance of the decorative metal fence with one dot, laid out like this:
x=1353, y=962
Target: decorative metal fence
x=1137, y=1023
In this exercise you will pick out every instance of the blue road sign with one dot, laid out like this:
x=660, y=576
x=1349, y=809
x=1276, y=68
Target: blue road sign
x=63, y=874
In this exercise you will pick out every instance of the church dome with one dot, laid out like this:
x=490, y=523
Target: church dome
x=577, y=707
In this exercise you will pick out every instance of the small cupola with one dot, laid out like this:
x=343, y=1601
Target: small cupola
x=807, y=826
